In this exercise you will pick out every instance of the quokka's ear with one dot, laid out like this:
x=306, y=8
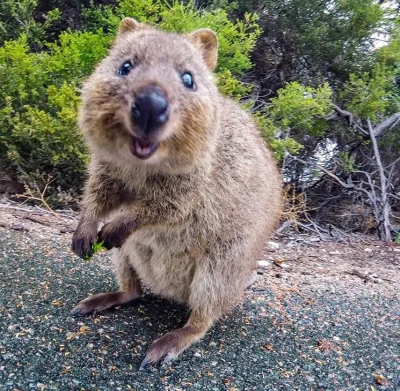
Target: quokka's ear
x=206, y=40
x=129, y=25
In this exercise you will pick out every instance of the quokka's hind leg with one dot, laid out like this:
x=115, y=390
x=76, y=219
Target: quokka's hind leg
x=170, y=345
x=129, y=289
x=213, y=293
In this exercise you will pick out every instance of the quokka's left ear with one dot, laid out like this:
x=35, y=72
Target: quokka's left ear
x=130, y=24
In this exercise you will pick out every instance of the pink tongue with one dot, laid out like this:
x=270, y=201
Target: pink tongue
x=143, y=146
x=144, y=143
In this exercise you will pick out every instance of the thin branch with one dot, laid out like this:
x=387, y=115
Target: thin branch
x=350, y=119
x=38, y=210
x=387, y=123
x=17, y=208
x=390, y=122
x=391, y=165
x=327, y=172
x=29, y=195
x=385, y=205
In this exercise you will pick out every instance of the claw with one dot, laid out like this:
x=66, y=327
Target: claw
x=169, y=358
x=76, y=312
x=143, y=364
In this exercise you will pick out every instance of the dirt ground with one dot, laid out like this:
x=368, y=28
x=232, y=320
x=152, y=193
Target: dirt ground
x=356, y=263
x=319, y=316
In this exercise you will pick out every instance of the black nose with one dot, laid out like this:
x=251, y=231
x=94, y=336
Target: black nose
x=150, y=109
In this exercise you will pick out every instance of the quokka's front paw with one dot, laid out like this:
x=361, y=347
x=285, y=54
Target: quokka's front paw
x=115, y=233
x=111, y=236
x=82, y=242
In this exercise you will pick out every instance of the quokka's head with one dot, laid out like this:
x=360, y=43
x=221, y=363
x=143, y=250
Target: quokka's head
x=153, y=99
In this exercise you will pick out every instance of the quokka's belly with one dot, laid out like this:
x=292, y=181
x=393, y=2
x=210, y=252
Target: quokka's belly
x=163, y=260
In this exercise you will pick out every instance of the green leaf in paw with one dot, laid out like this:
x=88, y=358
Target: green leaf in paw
x=96, y=247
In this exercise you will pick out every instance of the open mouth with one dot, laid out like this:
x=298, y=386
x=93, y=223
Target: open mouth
x=143, y=148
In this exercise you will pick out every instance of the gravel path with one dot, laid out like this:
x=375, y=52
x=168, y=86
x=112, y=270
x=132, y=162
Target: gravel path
x=301, y=327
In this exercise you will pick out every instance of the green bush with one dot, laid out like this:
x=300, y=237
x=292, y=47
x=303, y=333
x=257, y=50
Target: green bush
x=302, y=109
x=17, y=17
x=39, y=100
x=369, y=95
x=297, y=111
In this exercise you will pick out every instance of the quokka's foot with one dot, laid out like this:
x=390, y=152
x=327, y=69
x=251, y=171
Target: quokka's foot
x=253, y=278
x=172, y=344
x=168, y=347
x=102, y=301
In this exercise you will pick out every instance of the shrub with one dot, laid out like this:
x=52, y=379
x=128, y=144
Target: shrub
x=17, y=17
x=39, y=100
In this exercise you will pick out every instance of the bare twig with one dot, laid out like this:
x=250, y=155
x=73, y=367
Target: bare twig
x=350, y=119
x=29, y=195
x=284, y=226
x=387, y=123
x=36, y=220
x=327, y=172
x=385, y=206
x=15, y=208
x=68, y=214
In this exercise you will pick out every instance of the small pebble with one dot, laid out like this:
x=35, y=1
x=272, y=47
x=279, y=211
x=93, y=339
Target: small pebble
x=19, y=227
x=264, y=264
x=274, y=245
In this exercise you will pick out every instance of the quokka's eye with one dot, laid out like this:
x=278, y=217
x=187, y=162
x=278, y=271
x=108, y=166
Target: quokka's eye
x=125, y=68
x=187, y=79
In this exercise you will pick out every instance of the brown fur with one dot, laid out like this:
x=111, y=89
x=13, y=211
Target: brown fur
x=188, y=222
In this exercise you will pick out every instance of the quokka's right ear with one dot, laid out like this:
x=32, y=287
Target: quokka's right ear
x=128, y=25
x=207, y=42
